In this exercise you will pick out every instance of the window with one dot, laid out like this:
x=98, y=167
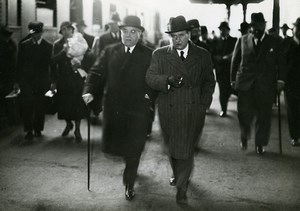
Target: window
x=46, y=12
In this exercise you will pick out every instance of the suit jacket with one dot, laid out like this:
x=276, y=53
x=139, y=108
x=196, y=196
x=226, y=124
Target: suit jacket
x=89, y=39
x=220, y=49
x=263, y=67
x=103, y=41
x=33, y=67
x=126, y=110
x=182, y=111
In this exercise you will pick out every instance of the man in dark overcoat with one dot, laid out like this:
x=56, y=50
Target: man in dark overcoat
x=255, y=74
x=33, y=78
x=222, y=54
x=69, y=83
x=182, y=74
x=195, y=33
x=122, y=69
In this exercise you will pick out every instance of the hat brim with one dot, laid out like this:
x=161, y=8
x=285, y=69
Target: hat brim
x=138, y=27
x=179, y=30
x=35, y=32
x=223, y=27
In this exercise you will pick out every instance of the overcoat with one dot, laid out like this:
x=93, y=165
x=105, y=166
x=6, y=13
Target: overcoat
x=126, y=107
x=69, y=85
x=182, y=110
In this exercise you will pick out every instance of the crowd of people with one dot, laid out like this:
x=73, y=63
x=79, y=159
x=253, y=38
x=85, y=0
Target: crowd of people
x=123, y=73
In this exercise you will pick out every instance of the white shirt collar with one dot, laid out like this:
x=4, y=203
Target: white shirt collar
x=131, y=48
x=38, y=42
x=185, y=51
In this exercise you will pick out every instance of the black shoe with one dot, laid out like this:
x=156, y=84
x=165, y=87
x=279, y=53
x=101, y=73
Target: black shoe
x=78, y=137
x=294, y=142
x=181, y=197
x=37, y=133
x=68, y=128
x=259, y=150
x=172, y=181
x=129, y=193
x=223, y=114
x=28, y=136
x=244, y=144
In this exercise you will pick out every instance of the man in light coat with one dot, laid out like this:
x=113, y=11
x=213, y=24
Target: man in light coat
x=182, y=74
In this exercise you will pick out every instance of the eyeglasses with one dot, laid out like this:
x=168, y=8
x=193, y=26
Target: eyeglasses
x=130, y=32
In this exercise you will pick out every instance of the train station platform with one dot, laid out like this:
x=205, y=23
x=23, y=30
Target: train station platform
x=51, y=172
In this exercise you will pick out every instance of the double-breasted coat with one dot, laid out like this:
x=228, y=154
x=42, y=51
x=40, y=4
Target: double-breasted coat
x=126, y=107
x=182, y=111
x=70, y=104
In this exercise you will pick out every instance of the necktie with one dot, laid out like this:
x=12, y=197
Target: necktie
x=182, y=56
x=258, y=45
x=128, y=50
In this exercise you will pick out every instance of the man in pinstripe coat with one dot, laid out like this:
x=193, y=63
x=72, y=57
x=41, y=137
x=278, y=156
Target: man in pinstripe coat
x=182, y=73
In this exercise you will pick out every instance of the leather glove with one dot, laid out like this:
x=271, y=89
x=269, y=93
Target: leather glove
x=175, y=81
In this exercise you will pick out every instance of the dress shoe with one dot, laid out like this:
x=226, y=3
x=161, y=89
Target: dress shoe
x=259, y=150
x=68, y=128
x=294, y=142
x=129, y=193
x=78, y=137
x=172, y=181
x=223, y=114
x=181, y=197
x=244, y=144
x=28, y=136
x=37, y=133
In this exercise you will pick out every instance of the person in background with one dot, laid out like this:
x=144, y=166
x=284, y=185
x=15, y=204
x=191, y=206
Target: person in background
x=244, y=28
x=68, y=79
x=222, y=54
x=256, y=72
x=111, y=36
x=205, y=39
x=195, y=33
x=183, y=76
x=81, y=26
x=122, y=68
x=33, y=79
x=292, y=85
x=7, y=68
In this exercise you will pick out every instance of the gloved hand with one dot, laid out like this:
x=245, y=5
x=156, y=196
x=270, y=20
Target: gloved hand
x=175, y=81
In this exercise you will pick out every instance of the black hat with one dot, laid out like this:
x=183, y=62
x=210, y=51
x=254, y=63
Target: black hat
x=285, y=26
x=5, y=31
x=81, y=23
x=35, y=27
x=297, y=23
x=244, y=26
x=257, y=18
x=224, y=25
x=204, y=30
x=132, y=21
x=115, y=17
x=177, y=24
x=194, y=23
x=65, y=24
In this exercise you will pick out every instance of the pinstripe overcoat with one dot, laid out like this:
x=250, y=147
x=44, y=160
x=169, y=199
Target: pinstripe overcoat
x=182, y=110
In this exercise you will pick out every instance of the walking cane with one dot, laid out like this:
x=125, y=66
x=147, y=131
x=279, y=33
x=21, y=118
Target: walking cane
x=88, y=148
x=279, y=123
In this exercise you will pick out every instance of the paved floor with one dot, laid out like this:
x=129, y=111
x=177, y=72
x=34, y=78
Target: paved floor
x=51, y=173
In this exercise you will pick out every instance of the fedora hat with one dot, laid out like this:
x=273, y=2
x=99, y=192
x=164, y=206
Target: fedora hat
x=114, y=18
x=224, y=25
x=257, y=18
x=132, y=21
x=244, y=26
x=177, y=24
x=194, y=23
x=203, y=30
x=35, y=27
x=81, y=23
x=65, y=24
x=285, y=26
x=297, y=23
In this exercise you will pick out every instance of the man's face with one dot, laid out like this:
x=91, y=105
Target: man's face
x=224, y=32
x=195, y=33
x=130, y=35
x=36, y=36
x=113, y=27
x=180, y=39
x=81, y=29
x=258, y=29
